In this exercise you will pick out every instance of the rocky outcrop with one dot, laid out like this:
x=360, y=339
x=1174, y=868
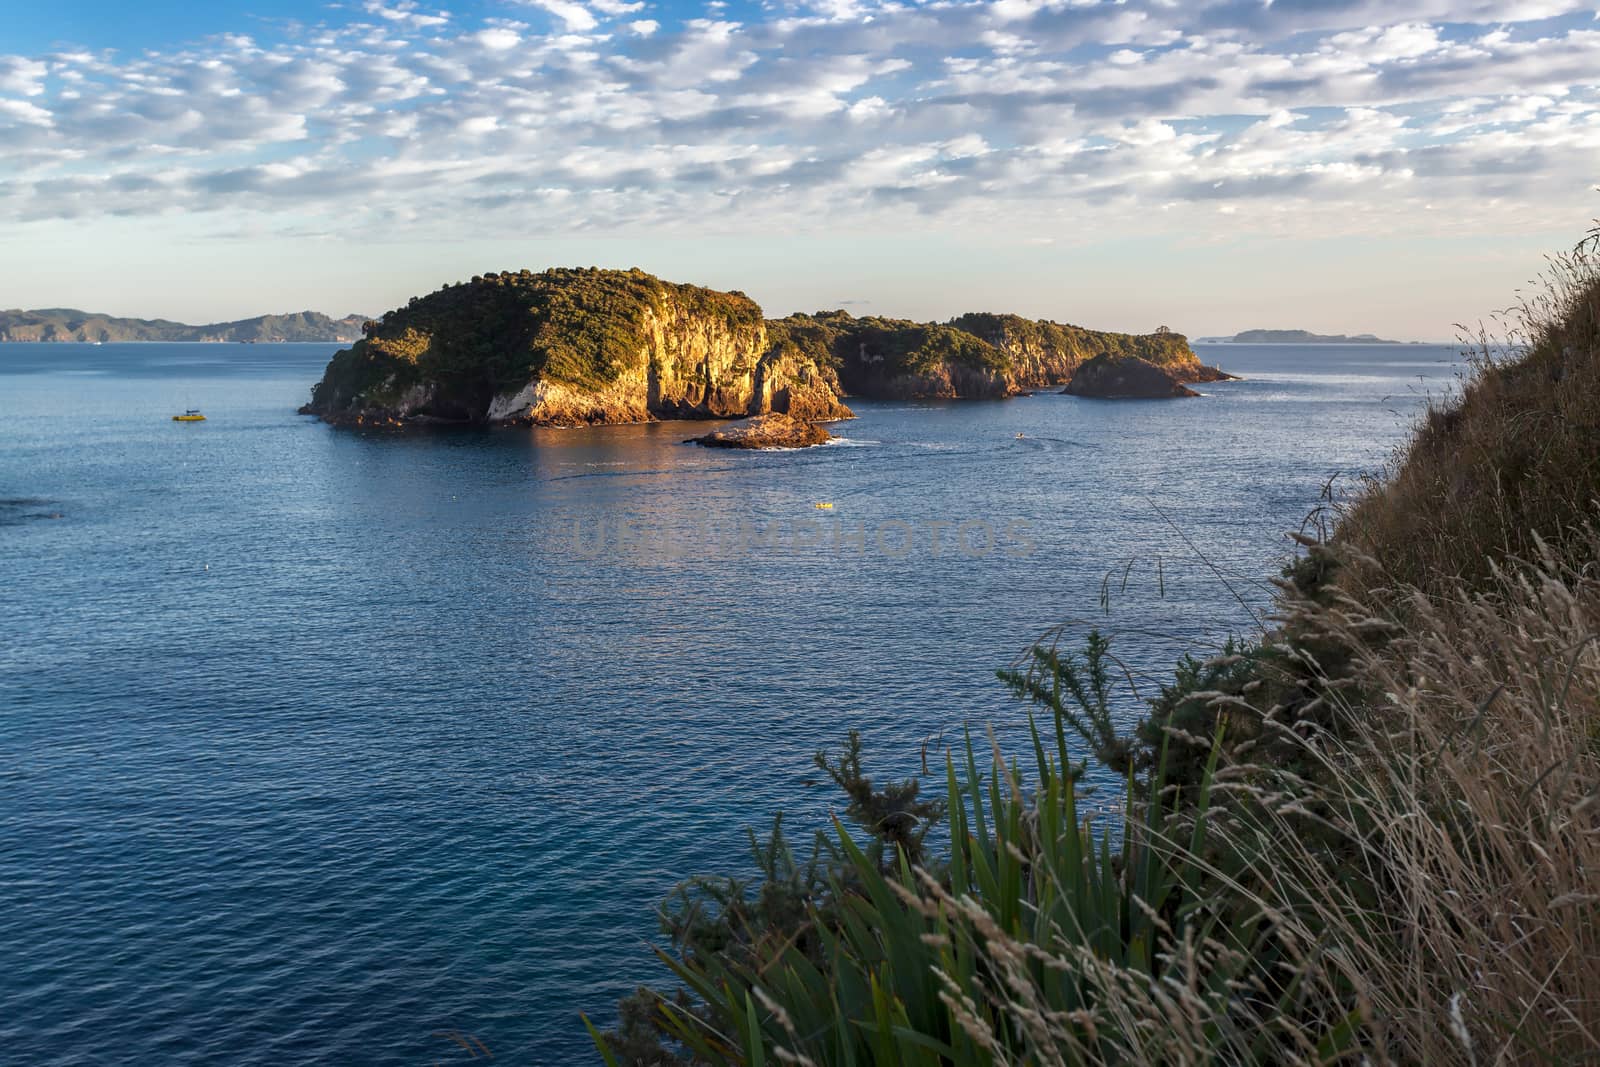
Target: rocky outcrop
x=1126, y=376
x=765, y=431
x=569, y=347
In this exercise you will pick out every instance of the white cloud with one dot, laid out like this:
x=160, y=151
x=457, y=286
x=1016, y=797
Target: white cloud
x=21, y=76
x=575, y=15
x=498, y=38
x=406, y=12
x=24, y=112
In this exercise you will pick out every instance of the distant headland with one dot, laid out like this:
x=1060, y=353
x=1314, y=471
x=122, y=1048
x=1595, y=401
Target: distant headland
x=1299, y=337
x=70, y=324
x=574, y=346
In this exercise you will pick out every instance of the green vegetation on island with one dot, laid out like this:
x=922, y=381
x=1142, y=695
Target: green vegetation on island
x=1366, y=835
x=588, y=345
x=69, y=324
x=1013, y=333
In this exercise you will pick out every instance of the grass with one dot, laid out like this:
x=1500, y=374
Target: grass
x=1512, y=459
x=1371, y=836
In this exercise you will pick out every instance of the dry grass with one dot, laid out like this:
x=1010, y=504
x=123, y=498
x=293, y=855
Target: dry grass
x=1513, y=458
x=1472, y=787
x=1433, y=899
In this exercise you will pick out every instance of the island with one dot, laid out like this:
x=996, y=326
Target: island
x=772, y=430
x=577, y=346
x=70, y=324
x=1299, y=337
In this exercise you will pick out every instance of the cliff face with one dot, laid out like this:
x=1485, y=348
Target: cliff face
x=566, y=347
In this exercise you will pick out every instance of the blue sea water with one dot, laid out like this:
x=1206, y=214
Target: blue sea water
x=324, y=746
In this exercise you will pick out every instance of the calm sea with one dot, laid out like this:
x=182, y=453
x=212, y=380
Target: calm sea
x=320, y=745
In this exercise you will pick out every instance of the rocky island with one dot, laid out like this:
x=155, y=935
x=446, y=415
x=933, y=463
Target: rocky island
x=772, y=430
x=576, y=346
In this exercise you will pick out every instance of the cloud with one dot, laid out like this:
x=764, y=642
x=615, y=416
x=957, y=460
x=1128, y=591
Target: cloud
x=1051, y=117
x=406, y=13
x=575, y=15
x=498, y=38
x=21, y=76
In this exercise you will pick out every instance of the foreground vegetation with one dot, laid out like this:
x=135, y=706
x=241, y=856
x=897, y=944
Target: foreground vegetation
x=1372, y=835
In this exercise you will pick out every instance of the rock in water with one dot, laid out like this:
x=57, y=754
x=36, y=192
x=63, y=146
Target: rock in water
x=1112, y=376
x=765, y=431
x=1127, y=376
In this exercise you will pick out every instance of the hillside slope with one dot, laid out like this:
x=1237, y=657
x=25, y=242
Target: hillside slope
x=1506, y=471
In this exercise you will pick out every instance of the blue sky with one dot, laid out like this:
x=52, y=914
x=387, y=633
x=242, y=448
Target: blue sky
x=1214, y=165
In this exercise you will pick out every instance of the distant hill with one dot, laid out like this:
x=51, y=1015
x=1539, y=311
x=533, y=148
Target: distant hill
x=69, y=324
x=1300, y=337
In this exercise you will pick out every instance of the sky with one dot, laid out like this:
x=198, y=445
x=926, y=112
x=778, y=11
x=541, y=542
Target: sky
x=1209, y=165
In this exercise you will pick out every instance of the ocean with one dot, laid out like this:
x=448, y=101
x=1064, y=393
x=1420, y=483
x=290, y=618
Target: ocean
x=319, y=745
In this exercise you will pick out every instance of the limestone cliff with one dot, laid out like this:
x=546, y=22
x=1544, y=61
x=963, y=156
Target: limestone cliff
x=565, y=347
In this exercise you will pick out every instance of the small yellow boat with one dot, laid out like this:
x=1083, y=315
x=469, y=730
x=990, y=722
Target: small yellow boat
x=825, y=507
x=189, y=416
